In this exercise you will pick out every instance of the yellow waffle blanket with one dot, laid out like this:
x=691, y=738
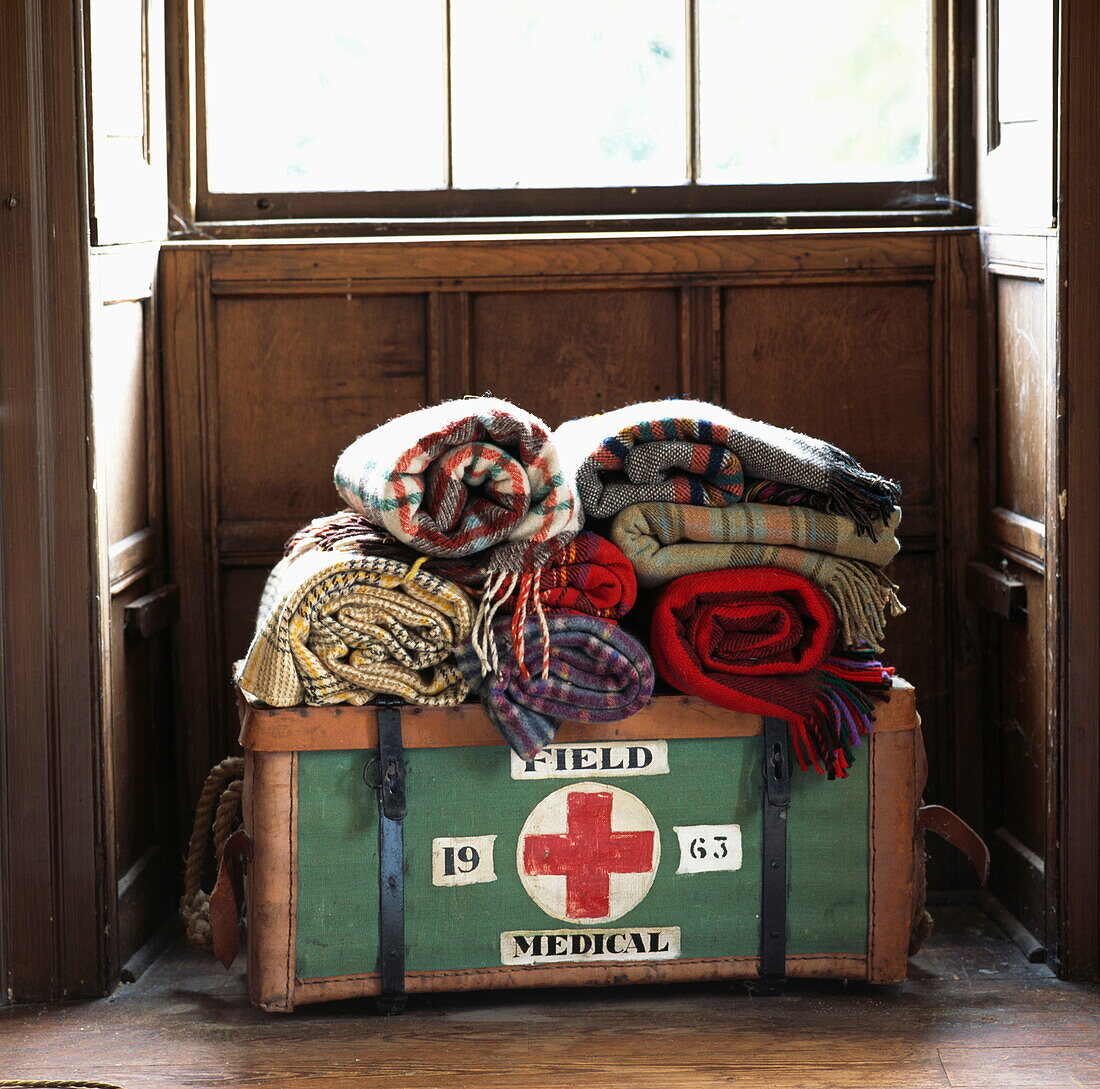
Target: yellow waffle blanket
x=335, y=627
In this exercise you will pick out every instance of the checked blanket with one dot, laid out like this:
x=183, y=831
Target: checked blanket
x=597, y=673
x=680, y=451
x=589, y=575
x=667, y=540
x=761, y=640
x=460, y=477
x=334, y=627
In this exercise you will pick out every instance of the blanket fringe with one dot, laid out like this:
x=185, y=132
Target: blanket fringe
x=497, y=590
x=525, y=593
x=862, y=597
x=843, y=713
x=857, y=494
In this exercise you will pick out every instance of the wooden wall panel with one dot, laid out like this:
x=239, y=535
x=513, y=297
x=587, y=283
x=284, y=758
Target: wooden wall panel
x=297, y=380
x=53, y=889
x=119, y=374
x=1023, y=717
x=277, y=356
x=1022, y=379
x=137, y=697
x=569, y=353
x=1022, y=526
x=847, y=363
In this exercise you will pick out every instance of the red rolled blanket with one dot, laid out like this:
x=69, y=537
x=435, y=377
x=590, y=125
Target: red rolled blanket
x=761, y=640
x=590, y=575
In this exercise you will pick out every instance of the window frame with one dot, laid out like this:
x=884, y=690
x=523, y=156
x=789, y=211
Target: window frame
x=944, y=199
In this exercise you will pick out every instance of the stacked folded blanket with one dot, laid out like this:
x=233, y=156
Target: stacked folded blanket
x=771, y=548
x=762, y=639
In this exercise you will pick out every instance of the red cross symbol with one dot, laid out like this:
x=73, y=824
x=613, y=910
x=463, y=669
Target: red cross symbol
x=588, y=854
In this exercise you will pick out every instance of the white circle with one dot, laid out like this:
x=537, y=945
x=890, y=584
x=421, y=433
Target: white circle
x=597, y=869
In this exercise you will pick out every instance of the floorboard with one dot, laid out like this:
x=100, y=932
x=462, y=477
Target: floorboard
x=974, y=1014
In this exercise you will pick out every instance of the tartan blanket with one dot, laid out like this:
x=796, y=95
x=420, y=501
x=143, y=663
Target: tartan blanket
x=460, y=477
x=679, y=451
x=597, y=673
x=589, y=575
x=340, y=628
x=667, y=540
x=761, y=640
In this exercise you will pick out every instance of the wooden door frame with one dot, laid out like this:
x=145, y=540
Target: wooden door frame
x=1078, y=952
x=54, y=911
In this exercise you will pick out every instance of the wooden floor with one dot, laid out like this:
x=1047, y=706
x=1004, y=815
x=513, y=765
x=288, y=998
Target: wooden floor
x=975, y=1015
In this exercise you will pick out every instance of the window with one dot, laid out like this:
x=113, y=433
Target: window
x=569, y=108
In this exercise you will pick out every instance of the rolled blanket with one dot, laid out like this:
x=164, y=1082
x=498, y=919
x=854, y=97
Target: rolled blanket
x=601, y=451
x=460, y=477
x=340, y=628
x=761, y=640
x=590, y=575
x=597, y=673
x=668, y=540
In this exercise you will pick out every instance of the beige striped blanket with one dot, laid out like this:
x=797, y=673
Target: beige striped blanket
x=334, y=627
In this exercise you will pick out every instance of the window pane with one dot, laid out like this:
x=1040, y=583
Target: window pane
x=331, y=95
x=568, y=93
x=800, y=92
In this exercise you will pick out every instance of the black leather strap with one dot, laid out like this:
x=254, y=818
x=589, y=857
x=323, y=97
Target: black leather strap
x=391, y=856
x=773, y=886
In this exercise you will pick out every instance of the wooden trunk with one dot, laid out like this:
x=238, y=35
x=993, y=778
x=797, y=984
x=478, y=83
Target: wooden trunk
x=680, y=783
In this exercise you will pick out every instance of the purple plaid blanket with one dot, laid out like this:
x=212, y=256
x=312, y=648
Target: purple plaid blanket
x=597, y=673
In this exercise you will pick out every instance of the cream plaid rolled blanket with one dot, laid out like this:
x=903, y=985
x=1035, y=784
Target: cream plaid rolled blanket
x=683, y=451
x=460, y=477
x=665, y=541
x=334, y=627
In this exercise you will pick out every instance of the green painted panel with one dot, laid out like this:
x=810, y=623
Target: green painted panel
x=470, y=792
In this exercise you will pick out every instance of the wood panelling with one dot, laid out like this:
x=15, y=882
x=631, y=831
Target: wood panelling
x=533, y=264
x=294, y=381
x=1078, y=525
x=1022, y=381
x=1021, y=655
x=137, y=698
x=53, y=902
x=848, y=363
x=119, y=379
x=277, y=356
x=1023, y=718
x=569, y=353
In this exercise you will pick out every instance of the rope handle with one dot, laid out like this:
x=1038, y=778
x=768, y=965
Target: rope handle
x=218, y=813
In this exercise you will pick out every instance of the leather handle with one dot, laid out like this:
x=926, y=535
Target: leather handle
x=227, y=897
x=950, y=826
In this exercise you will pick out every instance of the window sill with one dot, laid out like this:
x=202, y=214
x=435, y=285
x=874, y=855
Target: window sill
x=558, y=226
